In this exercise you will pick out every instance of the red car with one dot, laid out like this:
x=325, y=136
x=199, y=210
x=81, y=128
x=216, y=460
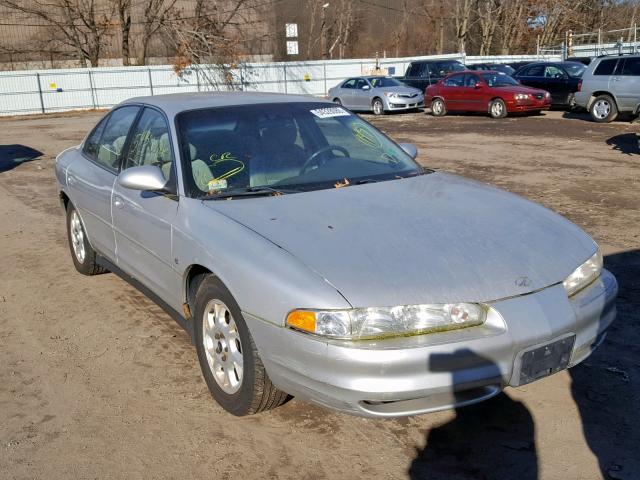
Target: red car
x=488, y=91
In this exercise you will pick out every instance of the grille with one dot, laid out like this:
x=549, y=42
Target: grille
x=407, y=95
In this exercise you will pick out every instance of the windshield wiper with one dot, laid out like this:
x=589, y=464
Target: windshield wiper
x=248, y=192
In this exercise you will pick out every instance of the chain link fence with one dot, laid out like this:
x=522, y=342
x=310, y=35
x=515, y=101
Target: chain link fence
x=45, y=91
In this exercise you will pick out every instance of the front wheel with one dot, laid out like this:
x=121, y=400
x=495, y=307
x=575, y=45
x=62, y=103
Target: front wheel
x=438, y=109
x=378, y=107
x=337, y=101
x=227, y=354
x=603, y=109
x=497, y=108
x=84, y=257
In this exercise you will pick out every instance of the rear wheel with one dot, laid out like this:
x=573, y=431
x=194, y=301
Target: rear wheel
x=378, y=106
x=84, y=257
x=603, y=109
x=227, y=354
x=438, y=108
x=497, y=108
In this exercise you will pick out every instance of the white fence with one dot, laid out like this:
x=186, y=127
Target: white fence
x=45, y=91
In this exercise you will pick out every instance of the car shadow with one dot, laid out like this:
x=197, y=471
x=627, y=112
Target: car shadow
x=13, y=155
x=492, y=439
x=627, y=143
x=606, y=388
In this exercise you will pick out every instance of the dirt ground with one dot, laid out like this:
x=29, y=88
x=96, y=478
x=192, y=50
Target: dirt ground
x=97, y=382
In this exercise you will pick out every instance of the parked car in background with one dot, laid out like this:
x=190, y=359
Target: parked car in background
x=561, y=79
x=489, y=91
x=288, y=237
x=585, y=60
x=496, y=67
x=422, y=73
x=611, y=85
x=377, y=94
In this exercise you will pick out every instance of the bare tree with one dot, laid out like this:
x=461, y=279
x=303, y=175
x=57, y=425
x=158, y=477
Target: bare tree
x=462, y=17
x=489, y=17
x=211, y=43
x=155, y=14
x=75, y=23
x=123, y=9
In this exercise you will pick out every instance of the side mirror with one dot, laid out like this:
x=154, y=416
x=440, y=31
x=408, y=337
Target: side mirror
x=146, y=178
x=410, y=149
x=477, y=86
x=366, y=87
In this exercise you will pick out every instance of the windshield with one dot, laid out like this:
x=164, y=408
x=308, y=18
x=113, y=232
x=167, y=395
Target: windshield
x=499, y=80
x=381, y=82
x=575, y=70
x=284, y=147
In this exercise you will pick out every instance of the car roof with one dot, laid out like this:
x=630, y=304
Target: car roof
x=174, y=103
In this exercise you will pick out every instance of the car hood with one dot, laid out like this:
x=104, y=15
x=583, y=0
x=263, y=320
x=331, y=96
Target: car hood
x=518, y=89
x=399, y=89
x=427, y=239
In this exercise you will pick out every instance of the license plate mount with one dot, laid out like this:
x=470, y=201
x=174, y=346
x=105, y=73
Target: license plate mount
x=545, y=360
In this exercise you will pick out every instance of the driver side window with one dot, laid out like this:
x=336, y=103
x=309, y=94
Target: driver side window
x=150, y=143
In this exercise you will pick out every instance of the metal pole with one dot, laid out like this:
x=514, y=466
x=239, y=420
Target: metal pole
x=93, y=94
x=635, y=45
x=150, y=80
x=40, y=93
x=599, y=42
x=324, y=74
x=538, y=47
x=284, y=69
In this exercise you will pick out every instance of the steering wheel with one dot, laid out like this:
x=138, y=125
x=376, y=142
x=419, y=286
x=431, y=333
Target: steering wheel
x=313, y=158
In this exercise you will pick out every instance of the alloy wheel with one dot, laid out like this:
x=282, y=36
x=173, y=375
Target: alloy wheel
x=222, y=345
x=602, y=109
x=77, y=237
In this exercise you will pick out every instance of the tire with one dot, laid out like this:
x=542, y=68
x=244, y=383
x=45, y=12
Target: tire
x=337, y=101
x=497, y=108
x=228, y=355
x=377, y=106
x=603, y=109
x=438, y=108
x=83, y=256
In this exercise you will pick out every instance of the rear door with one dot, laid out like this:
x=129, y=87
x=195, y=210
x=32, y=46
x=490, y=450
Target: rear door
x=533, y=76
x=452, y=91
x=362, y=95
x=142, y=221
x=346, y=93
x=91, y=177
x=625, y=84
x=601, y=80
x=557, y=84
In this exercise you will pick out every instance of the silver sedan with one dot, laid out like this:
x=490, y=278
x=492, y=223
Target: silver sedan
x=308, y=254
x=377, y=94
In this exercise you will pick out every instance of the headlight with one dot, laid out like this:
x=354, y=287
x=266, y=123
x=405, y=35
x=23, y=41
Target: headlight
x=522, y=96
x=391, y=94
x=376, y=322
x=584, y=274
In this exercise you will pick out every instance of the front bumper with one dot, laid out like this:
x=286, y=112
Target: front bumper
x=528, y=106
x=397, y=104
x=426, y=373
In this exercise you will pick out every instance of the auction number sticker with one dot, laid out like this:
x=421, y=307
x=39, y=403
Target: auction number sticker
x=330, y=112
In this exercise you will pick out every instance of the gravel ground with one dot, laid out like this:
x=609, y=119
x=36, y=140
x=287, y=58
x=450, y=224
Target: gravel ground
x=98, y=382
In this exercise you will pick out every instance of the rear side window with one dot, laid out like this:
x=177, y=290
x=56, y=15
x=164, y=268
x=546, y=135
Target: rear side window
x=606, y=67
x=93, y=140
x=533, y=71
x=454, y=81
x=351, y=83
x=631, y=67
x=416, y=69
x=114, y=136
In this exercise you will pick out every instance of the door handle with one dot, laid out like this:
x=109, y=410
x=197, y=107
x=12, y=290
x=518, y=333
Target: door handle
x=118, y=203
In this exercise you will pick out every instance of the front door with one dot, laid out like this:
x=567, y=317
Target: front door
x=142, y=221
x=473, y=94
x=362, y=95
x=557, y=84
x=91, y=177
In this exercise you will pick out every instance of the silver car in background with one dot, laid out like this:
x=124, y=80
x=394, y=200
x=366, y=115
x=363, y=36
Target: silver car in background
x=308, y=254
x=610, y=85
x=376, y=94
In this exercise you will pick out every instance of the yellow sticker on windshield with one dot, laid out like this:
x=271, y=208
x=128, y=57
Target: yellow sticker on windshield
x=217, y=184
x=365, y=136
x=228, y=164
